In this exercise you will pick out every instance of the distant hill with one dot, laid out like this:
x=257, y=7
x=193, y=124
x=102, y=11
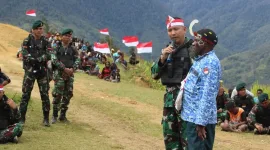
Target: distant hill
x=248, y=67
x=145, y=19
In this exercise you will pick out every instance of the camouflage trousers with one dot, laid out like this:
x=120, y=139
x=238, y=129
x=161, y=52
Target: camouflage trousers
x=222, y=115
x=62, y=93
x=173, y=126
x=27, y=87
x=8, y=134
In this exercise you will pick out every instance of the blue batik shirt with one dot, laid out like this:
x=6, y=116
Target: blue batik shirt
x=200, y=90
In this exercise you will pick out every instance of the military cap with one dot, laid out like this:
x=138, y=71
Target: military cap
x=67, y=31
x=207, y=35
x=37, y=24
x=263, y=97
x=240, y=86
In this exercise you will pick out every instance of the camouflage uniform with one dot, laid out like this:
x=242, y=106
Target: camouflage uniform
x=9, y=126
x=63, y=84
x=173, y=126
x=260, y=115
x=221, y=101
x=35, y=55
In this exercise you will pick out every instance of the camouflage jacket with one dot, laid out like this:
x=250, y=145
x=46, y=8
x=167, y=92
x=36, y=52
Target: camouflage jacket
x=57, y=64
x=260, y=115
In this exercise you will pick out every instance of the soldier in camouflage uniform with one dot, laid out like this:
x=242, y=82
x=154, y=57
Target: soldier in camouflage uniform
x=259, y=116
x=65, y=60
x=10, y=129
x=172, y=67
x=35, y=55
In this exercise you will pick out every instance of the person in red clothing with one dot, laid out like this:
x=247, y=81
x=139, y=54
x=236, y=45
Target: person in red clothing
x=106, y=72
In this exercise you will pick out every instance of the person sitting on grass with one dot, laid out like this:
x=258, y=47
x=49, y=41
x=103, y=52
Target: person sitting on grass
x=243, y=99
x=259, y=116
x=10, y=128
x=235, y=120
x=115, y=76
x=221, y=101
x=94, y=69
x=106, y=72
x=256, y=99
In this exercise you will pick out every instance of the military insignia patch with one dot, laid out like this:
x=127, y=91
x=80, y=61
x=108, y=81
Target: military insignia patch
x=205, y=70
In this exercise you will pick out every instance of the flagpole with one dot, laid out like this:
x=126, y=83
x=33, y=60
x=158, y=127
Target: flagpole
x=110, y=47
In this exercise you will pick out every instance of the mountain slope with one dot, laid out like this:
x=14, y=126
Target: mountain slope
x=247, y=67
x=143, y=18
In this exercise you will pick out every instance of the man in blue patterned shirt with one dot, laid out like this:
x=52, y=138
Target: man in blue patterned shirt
x=200, y=91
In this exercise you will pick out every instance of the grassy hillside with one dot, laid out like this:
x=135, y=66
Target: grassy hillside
x=103, y=115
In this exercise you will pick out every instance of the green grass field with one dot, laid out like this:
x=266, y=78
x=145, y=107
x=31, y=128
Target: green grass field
x=108, y=115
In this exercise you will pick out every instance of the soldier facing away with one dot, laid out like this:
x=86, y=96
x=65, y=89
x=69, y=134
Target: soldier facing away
x=65, y=60
x=35, y=56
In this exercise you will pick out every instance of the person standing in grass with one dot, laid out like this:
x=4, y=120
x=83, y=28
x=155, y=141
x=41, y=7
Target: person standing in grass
x=36, y=53
x=172, y=67
x=199, y=110
x=65, y=60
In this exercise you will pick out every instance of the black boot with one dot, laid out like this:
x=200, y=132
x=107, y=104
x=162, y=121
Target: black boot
x=54, y=120
x=63, y=117
x=55, y=115
x=46, y=122
x=264, y=131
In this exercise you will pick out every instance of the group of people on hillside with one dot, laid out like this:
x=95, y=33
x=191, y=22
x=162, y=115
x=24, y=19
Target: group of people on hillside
x=242, y=111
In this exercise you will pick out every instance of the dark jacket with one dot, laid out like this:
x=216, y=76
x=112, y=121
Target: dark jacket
x=8, y=116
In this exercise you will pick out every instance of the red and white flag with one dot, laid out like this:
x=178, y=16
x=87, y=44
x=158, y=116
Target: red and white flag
x=104, y=31
x=31, y=12
x=145, y=47
x=102, y=48
x=126, y=37
x=1, y=88
x=130, y=41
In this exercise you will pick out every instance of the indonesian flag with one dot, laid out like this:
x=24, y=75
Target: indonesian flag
x=102, y=47
x=1, y=88
x=31, y=12
x=145, y=47
x=170, y=22
x=104, y=31
x=131, y=41
x=126, y=37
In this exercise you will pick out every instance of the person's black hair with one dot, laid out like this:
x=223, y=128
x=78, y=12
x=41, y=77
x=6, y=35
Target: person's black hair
x=230, y=104
x=178, y=18
x=260, y=90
